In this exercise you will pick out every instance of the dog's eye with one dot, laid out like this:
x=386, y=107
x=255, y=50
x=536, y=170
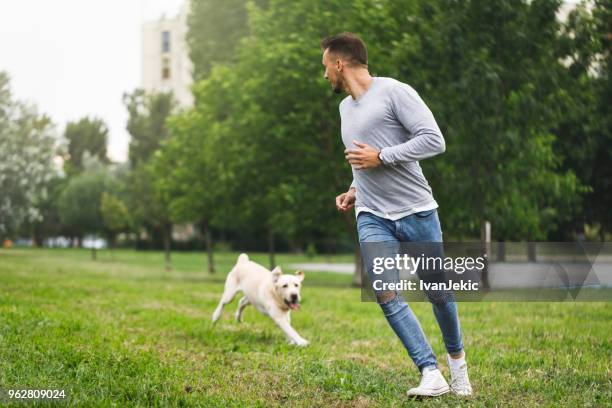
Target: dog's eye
x=296, y=285
x=286, y=285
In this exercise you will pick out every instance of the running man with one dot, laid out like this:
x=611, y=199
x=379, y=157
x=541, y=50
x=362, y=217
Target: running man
x=387, y=129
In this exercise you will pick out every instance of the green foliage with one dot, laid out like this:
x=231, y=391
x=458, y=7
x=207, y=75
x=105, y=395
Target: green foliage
x=498, y=95
x=272, y=127
x=183, y=170
x=148, y=206
x=115, y=213
x=585, y=133
x=215, y=28
x=27, y=150
x=79, y=203
x=88, y=135
x=49, y=223
x=147, y=122
x=269, y=125
x=311, y=250
x=148, y=114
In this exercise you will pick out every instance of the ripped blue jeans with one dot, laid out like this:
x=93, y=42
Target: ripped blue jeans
x=419, y=227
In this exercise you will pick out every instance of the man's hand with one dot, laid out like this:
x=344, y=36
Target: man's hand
x=346, y=201
x=364, y=157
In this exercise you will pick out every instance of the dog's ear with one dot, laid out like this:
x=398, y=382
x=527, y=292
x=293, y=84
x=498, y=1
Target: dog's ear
x=276, y=274
x=300, y=275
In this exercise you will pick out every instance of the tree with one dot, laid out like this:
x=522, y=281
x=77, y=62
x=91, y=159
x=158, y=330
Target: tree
x=186, y=171
x=27, y=150
x=601, y=198
x=149, y=208
x=585, y=130
x=79, y=204
x=269, y=125
x=277, y=124
x=115, y=215
x=88, y=135
x=147, y=122
x=497, y=94
x=48, y=224
x=148, y=114
x=215, y=29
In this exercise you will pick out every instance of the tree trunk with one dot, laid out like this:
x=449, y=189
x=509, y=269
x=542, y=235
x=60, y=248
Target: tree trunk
x=485, y=245
x=531, y=251
x=112, y=238
x=209, y=246
x=271, y=248
x=501, y=251
x=94, y=253
x=38, y=240
x=167, y=238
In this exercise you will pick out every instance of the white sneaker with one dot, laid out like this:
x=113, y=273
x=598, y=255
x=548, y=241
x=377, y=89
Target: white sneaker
x=432, y=384
x=460, y=382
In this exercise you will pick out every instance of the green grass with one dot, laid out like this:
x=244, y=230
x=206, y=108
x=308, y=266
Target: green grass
x=122, y=331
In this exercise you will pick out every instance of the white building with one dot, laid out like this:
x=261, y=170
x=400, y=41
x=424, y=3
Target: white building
x=166, y=65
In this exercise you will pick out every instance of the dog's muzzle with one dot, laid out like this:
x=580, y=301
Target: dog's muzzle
x=294, y=303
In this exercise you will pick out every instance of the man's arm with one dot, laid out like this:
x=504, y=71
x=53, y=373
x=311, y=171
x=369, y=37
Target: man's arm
x=415, y=116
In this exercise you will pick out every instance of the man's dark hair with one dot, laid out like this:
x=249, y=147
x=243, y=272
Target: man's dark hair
x=347, y=45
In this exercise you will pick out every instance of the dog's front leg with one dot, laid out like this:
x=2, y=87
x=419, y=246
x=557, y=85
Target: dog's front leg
x=283, y=322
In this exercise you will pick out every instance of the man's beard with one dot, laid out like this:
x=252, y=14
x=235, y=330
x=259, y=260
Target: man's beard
x=338, y=88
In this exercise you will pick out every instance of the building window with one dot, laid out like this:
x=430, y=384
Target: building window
x=165, y=68
x=166, y=41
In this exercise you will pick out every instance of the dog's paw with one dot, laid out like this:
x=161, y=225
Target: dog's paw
x=300, y=342
x=238, y=318
x=215, y=317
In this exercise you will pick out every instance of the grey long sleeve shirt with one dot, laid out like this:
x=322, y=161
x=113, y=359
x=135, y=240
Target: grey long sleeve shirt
x=392, y=117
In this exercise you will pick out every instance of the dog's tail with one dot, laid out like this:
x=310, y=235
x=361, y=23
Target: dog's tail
x=243, y=258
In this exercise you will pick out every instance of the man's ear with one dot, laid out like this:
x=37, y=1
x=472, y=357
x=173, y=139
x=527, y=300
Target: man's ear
x=300, y=275
x=276, y=274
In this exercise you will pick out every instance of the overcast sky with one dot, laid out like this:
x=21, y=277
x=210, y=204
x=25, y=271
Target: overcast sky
x=77, y=57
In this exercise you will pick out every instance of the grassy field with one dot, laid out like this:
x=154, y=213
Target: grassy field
x=122, y=331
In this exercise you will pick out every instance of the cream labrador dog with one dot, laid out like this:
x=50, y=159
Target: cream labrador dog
x=273, y=294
